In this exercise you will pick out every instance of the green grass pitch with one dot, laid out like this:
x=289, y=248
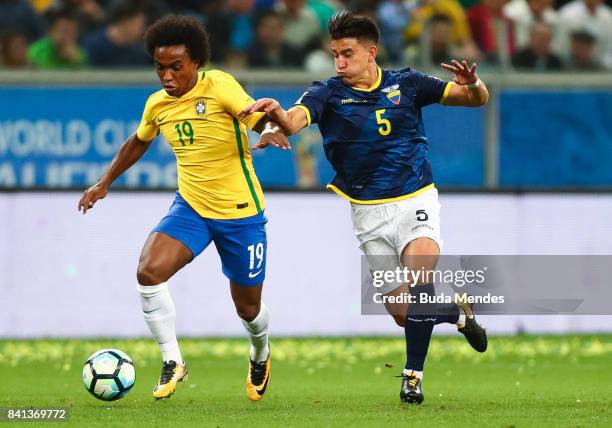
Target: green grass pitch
x=560, y=381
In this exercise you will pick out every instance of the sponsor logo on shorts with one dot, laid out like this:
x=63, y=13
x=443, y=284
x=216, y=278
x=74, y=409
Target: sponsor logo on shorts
x=422, y=225
x=254, y=274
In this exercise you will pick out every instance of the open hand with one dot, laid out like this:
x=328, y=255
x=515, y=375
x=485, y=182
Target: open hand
x=464, y=74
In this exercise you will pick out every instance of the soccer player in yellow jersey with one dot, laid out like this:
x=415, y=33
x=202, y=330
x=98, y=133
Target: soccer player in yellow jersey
x=219, y=197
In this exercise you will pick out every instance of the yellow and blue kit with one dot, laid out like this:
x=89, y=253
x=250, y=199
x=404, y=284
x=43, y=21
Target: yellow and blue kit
x=374, y=138
x=219, y=197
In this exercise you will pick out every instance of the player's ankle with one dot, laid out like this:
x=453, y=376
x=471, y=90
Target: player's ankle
x=173, y=354
x=259, y=355
x=410, y=372
x=461, y=320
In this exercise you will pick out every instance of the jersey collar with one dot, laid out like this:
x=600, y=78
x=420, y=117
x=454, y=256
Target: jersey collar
x=375, y=85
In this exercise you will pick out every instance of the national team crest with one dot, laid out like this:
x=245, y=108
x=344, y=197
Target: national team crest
x=395, y=96
x=393, y=93
x=200, y=107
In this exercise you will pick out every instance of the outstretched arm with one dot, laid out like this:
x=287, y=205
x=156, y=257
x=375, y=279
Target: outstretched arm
x=469, y=90
x=128, y=154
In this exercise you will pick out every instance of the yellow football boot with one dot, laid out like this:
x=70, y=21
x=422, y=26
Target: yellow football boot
x=172, y=373
x=258, y=379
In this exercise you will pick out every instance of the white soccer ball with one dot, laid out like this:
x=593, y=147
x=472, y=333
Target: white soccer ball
x=109, y=374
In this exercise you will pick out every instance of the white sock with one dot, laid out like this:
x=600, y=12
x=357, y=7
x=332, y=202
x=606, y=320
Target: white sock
x=409, y=372
x=461, y=320
x=159, y=314
x=258, y=335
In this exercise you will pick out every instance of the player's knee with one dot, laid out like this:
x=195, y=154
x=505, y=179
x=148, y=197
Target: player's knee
x=400, y=320
x=247, y=312
x=421, y=252
x=150, y=274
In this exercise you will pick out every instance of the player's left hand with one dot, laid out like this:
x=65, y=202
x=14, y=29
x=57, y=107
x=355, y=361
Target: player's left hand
x=464, y=74
x=272, y=137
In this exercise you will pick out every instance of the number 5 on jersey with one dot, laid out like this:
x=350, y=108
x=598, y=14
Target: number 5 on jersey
x=385, y=129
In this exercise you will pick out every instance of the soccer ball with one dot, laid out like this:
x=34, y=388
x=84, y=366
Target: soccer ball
x=109, y=374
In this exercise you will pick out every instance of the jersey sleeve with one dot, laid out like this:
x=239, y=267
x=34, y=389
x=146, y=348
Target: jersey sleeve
x=429, y=89
x=147, y=130
x=313, y=102
x=235, y=99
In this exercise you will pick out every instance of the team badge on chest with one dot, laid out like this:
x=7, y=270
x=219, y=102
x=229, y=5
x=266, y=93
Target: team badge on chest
x=395, y=97
x=200, y=107
x=393, y=94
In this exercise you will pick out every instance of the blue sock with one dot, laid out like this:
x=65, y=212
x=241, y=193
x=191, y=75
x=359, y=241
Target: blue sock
x=438, y=312
x=447, y=312
x=420, y=321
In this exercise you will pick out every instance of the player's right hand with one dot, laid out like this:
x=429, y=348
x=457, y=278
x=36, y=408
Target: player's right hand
x=91, y=196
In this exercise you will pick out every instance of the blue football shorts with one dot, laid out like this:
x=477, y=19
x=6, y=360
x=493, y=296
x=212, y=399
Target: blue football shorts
x=241, y=243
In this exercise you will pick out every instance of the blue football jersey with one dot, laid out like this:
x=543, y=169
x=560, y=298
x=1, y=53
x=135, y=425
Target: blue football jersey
x=374, y=138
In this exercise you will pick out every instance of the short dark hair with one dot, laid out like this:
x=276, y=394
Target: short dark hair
x=259, y=18
x=347, y=24
x=179, y=30
x=583, y=36
x=57, y=13
x=120, y=10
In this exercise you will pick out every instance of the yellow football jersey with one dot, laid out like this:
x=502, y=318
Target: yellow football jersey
x=215, y=171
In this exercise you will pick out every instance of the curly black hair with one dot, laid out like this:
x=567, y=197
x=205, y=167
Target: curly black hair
x=347, y=24
x=179, y=30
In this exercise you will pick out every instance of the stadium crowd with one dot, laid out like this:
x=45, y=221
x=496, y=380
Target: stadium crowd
x=536, y=35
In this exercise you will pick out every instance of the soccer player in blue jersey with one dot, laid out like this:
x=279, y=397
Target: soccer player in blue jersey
x=374, y=138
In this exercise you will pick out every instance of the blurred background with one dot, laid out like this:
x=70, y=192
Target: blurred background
x=529, y=174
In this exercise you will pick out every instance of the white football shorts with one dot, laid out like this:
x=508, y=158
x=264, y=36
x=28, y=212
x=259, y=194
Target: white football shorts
x=383, y=230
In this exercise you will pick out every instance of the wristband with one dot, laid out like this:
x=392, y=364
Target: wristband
x=474, y=85
x=270, y=130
